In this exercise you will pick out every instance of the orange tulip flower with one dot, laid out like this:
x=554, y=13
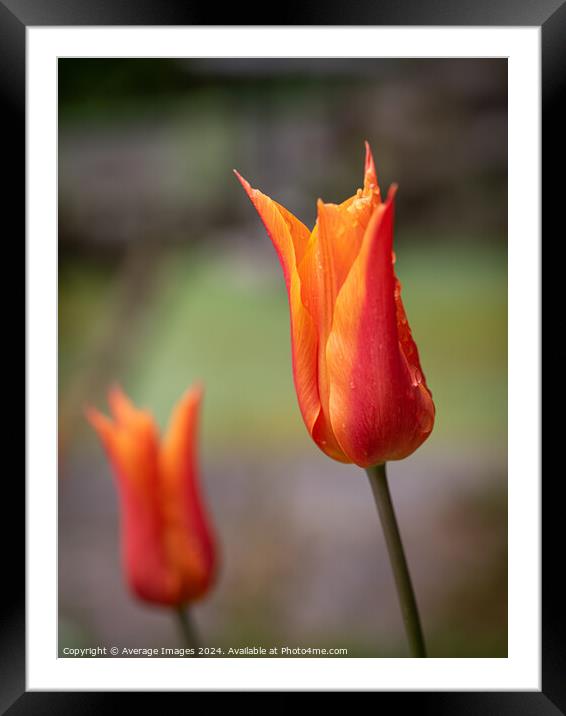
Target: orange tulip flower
x=359, y=383
x=168, y=547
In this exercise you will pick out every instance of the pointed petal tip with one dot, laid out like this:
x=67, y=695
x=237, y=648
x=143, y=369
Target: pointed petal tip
x=392, y=192
x=190, y=400
x=98, y=421
x=320, y=208
x=121, y=407
x=198, y=386
x=115, y=392
x=194, y=392
x=321, y=204
x=242, y=181
x=370, y=174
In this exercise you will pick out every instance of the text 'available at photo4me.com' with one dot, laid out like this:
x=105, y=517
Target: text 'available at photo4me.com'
x=160, y=652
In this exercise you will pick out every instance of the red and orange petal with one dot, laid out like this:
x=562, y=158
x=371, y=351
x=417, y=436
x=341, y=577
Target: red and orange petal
x=376, y=410
x=132, y=444
x=289, y=237
x=145, y=558
x=188, y=538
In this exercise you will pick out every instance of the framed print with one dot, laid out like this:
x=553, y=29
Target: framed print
x=283, y=313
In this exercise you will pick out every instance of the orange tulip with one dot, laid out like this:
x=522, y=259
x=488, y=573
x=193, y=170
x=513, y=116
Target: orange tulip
x=167, y=544
x=359, y=382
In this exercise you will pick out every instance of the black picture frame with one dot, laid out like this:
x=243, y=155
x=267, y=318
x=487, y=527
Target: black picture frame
x=15, y=16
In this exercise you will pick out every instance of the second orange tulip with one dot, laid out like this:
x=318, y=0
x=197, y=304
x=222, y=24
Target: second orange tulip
x=168, y=547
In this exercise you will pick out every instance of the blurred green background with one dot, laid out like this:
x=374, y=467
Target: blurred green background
x=166, y=276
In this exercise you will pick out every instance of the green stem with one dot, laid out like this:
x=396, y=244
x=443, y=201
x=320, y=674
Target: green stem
x=378, y=481
x=187, y=628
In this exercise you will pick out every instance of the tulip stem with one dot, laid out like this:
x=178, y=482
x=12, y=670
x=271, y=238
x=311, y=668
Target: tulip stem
x=187, y=628
x=378, y=480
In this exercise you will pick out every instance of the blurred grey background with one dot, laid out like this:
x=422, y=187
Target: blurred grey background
x=166, y=276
